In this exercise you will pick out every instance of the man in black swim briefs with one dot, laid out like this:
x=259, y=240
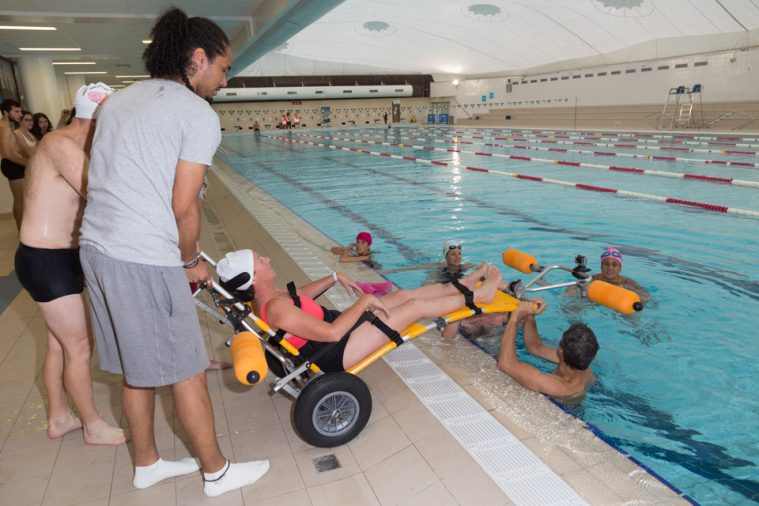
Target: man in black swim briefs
x=13, y=160
x=47, y=265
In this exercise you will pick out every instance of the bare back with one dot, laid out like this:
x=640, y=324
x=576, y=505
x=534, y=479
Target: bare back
x=55, y=190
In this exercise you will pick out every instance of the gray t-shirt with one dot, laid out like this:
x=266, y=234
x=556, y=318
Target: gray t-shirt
x=142, y=132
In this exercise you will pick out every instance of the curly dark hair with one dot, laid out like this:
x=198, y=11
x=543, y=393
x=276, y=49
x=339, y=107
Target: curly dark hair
x=175, y=37
x=579, y=345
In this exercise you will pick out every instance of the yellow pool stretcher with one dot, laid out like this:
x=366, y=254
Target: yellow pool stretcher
x=331, y=408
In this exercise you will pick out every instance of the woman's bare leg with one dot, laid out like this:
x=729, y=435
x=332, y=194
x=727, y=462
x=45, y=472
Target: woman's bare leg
x=368, y=338
x=400, y=297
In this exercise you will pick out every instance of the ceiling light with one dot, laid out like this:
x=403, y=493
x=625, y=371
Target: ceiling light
x=50, y=48
x=74, y=63
x=127, y=82
x=455, y=82
x=12, y=27
x=85, y=73
x=147, y=41
x=127, y=77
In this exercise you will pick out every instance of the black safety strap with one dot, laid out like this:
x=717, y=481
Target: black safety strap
x=468, y=296
x=280, y=334
x=391, y=334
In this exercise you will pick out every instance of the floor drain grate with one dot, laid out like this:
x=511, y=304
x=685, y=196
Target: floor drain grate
x=326, y=463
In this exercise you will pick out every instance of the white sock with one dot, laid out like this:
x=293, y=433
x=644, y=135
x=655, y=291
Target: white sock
x=234, y=476
x=147, y=476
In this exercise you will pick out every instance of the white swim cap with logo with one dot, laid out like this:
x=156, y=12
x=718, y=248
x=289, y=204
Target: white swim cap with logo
x=89, y=97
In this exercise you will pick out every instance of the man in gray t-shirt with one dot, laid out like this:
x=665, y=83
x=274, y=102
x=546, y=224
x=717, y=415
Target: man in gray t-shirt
x=139, y=244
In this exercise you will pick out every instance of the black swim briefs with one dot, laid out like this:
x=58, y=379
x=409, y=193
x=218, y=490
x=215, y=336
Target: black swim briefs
x=12, y=170
x=48, y=274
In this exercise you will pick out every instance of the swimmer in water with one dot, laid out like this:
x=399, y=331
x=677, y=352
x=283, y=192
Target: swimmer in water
x=358, y=251
x=576, y=350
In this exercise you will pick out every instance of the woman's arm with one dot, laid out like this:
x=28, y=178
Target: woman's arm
x=282, y=314
x=26, y=149
x=346, y=257
x=635, y=287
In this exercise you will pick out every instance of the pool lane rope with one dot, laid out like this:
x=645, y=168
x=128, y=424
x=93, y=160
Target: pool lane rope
x=456, y=140
x=618, y=145
x=645, y=138
x=617, y=168
x=645, y=196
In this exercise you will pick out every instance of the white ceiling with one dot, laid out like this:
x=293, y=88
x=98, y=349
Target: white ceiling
x=111, y=31
x=496, y=37
x=440, y=37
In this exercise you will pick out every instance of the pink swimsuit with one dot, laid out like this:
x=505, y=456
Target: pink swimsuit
x=309, y=306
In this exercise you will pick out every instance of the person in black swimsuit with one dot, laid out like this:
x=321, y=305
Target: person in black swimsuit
x=13, y=162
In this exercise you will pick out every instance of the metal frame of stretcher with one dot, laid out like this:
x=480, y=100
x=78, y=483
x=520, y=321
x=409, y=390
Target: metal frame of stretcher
x=330, y=408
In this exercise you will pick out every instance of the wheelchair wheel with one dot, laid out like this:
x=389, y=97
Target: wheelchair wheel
x=332, y=409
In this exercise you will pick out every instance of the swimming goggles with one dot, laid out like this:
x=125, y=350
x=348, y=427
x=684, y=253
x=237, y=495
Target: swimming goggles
x=612, y=253
x=454, y=246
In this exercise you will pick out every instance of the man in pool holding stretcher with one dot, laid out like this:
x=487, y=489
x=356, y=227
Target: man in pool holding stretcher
x=578, y=346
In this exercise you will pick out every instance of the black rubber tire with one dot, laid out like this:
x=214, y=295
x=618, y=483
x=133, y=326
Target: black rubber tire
x=332, y=409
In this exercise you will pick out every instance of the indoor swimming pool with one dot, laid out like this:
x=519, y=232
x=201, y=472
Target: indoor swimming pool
x=676, y=385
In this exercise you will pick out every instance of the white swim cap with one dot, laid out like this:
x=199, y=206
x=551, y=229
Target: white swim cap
x=89, y=97
x=234, y=263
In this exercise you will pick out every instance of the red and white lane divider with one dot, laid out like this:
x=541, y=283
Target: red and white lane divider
x=456, y=140
x=629, y=170
x=669, y=200
x=640, y=137
x=615, y=142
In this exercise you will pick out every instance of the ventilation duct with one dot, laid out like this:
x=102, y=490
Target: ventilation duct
x=312, y=93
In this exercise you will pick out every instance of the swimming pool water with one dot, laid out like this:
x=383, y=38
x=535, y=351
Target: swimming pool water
x=676, y=386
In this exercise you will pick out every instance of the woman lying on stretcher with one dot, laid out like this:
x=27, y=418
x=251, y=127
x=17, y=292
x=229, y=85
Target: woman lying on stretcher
x=357, y=331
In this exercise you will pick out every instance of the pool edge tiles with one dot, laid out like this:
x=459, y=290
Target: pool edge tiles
x=289, y=230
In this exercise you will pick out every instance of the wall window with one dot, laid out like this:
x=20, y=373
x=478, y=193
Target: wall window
x=662, y=67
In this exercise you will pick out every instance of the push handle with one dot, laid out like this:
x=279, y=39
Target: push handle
x=614, y=297
x=248, y=358
x=520, y=261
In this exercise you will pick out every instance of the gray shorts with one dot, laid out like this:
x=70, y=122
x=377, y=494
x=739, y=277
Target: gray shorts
x=145, y=323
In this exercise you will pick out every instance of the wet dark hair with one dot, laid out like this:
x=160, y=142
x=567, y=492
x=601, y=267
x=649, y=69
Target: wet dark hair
x=36, y=129
x=175, y=37
x=579, y=346
x=9, y=104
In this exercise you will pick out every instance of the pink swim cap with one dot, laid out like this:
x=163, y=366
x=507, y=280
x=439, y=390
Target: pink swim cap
x=365, y=236
x=612, y=252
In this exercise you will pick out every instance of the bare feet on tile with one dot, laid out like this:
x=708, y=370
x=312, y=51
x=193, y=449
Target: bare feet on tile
x=100, y=433
x=59, y=427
